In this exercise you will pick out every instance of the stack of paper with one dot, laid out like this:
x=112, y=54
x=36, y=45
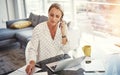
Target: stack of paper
x=94, y=66
x=41, y=73
x=21, y=71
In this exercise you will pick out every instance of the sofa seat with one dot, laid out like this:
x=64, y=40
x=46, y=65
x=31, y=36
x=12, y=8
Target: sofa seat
x=10, y=33
x=7, y=34
x=7, y=42
x=23, y=36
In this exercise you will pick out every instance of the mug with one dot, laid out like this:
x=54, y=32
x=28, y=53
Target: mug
x=87, y=50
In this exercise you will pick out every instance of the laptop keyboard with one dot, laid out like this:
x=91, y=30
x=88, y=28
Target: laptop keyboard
x=53, y=67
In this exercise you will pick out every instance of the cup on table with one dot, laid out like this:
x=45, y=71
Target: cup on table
x=87, y=52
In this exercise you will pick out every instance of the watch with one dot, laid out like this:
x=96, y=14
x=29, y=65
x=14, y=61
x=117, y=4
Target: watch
x=64, y=36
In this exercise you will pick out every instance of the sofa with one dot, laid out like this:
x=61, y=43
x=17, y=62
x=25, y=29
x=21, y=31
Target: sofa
x=20, y=30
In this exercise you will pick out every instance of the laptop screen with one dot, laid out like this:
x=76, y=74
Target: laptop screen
x=66, y=63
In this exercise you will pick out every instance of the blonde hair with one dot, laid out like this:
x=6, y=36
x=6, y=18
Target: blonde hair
x=57, y=6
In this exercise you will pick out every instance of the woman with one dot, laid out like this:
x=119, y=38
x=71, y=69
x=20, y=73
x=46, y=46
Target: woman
x=49, y=38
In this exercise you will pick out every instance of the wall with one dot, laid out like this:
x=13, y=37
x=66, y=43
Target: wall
x=3, y=13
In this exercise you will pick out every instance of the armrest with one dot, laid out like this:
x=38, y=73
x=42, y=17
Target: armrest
x=9, y=23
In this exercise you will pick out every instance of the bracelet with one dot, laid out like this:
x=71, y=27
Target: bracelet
x=64, y=36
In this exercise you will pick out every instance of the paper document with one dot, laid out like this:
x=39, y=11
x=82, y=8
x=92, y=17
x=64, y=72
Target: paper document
x=41, y=73
x=21, y=71
x=94, y=66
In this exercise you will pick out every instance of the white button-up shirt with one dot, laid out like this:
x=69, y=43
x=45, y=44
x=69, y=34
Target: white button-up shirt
x=42, y=46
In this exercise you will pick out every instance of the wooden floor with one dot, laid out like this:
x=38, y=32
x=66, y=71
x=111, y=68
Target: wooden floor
x=11, y=58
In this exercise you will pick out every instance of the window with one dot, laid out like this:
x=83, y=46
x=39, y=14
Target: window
x=41, y=7
x=101, y=15
x=35, y=6
x=67, y=7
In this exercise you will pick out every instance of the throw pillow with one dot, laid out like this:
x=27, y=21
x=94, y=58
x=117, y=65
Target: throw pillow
x=34, y=19
x=20, y=24
x=43, y=18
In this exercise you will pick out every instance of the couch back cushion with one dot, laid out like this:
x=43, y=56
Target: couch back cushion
x=21, y=24
x=10, y=22
x=43, y=18
x=34, y=19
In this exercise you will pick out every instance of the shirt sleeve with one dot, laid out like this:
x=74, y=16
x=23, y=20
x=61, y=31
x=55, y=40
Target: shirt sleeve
x=32, y=46
x=66, y=47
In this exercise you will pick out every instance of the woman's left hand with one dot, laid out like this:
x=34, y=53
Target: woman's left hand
x=63, y=31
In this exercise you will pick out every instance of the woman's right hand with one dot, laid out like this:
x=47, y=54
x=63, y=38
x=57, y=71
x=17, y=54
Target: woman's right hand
x=30, y=68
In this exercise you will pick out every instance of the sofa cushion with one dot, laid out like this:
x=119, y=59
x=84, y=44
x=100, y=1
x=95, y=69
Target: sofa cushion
x=23, y=36
x=28, y=39
x=34, y=19
x=7, y=42
x=7, y=34
x=21, y=24
x=10, y=22
x=27, y=28
x=43, y=18
x=10, y=33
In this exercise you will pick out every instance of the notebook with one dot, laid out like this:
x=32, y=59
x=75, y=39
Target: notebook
x=94, y=66
x=66, y=63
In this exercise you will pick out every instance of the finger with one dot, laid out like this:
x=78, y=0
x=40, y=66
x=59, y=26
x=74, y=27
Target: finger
x=27, y=69
x=30, y=70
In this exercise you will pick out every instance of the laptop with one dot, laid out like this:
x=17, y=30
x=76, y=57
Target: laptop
x=63, y=64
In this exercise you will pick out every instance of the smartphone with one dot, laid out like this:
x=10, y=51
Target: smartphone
x=60, y=23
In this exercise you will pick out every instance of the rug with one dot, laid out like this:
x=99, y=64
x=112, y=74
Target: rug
x=11, y=58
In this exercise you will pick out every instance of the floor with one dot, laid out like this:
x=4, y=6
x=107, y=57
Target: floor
x=11, y=58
